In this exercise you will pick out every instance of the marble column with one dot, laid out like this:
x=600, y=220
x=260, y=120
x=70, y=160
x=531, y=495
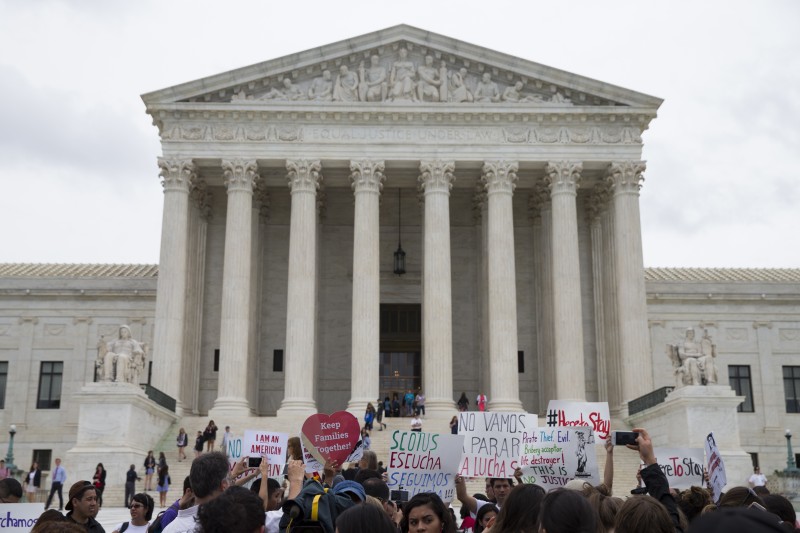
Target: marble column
x=368, y=178
x=436, y=180
x=301, y=308
x=772, y=396
x=500, y=178
x=239, y=176
x=543, y=251
x=480, y=207
x=177, y=178
x=595, y=205
x=563, y=178
x=635, y=360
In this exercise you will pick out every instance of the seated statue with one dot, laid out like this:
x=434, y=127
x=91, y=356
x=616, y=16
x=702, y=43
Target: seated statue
x=121, y=360
x=321, y=89
x=373, y=86
x=693, y=361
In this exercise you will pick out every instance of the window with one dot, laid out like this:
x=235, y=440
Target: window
x=791, y=388
x=277, y=360
x=50, y=385
x=43, y=458
x=3, y=379
x=739, y=379
x=754, y=459
x=521, y=362
x=216, y=360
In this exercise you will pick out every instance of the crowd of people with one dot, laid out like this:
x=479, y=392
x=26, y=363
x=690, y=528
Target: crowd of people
x=358, y=499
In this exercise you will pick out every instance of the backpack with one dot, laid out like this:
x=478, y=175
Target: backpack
x=155, y=525
x=124, y=526
x=315, y=509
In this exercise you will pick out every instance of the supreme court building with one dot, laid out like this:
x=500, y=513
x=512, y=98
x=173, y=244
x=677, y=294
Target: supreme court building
x=512, y=188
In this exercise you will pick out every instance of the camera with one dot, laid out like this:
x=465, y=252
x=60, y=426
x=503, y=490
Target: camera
x=620, y=438
x=399, y=496
x=253, y=462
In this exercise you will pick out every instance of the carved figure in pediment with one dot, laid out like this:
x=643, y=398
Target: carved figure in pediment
x=290, y=91
x=373, y=86
x=429, y=81
x=459, y=92
x=694, y=361
x=240, y=96
x=321, y=89
x=401, y=79
x=487, y=90
x=513, y=94
x=346, y=87
x=559, y=98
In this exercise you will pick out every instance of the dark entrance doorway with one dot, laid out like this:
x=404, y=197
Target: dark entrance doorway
x=401, y=354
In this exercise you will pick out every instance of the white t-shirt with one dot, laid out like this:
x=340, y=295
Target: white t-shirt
x=758, y=480
x=185, y=522
x=416, y=423
x=272, y=520
x=132, y=528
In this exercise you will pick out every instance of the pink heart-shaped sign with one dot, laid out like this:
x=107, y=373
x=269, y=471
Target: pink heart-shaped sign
x=331, y=437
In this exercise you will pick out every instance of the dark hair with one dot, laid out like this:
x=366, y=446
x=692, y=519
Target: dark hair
x=693, y=500
x=359, y=518
x=643, y=514
x=566, y=511
x=364, y=474
x=48, y=517
x=779, y=505
x=739, y=497
x=147, y=501
x=482, y=512
x=376, y=487
x=294, y=445
x=435, y=503
x=163, y=472
x=207, y=473
x=520, y=511
x=493, y=479
x=187, y=483
x=237, y=510
x=605, y=507
x=10, y=487
x=58, y=526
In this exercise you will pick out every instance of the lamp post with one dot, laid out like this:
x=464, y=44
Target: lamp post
x=10, y=453
x=791, y=466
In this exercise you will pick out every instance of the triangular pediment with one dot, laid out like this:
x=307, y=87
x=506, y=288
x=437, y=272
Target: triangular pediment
x=401, y=65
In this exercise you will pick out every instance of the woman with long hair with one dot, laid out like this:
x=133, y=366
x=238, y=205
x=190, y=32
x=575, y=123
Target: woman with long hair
x=163, y=485
x=485, y=513
x=360, y=518
x=463, y=402
x=149, y=469
x=99, y=482
x=183, y=441
x=454, y=425
x=210, y=435
x=141, y=509
x=565, y=511
x=32, y=482
x=520, y=512
x=426, y=513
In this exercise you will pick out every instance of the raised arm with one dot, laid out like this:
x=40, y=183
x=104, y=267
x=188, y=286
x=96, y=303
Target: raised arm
x=465, y=499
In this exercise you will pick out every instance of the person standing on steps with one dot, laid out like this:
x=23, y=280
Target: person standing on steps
x=57, y=485
x=149, y=469
x=183, y=441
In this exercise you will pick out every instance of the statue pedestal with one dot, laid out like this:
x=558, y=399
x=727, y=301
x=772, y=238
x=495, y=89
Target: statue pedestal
x=689, y=414
x=117, y=425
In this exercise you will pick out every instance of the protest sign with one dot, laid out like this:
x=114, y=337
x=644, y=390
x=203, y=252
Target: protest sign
x=312, y=465
x=716, y=467
x=492, y=442
x=257, y=443
x=19, y=516
x=550, y=457
x=563, y=413
x=331, y=437
x=424, y=462
x=682, y=466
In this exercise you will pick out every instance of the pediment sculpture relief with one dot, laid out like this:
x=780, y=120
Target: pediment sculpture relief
x=402, y=79
x=692, y=361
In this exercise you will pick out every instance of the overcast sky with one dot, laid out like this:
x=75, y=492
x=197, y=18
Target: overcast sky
x=78, y=153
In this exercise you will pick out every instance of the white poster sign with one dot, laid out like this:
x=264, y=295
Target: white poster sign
x=550, y=457
x=492, y=442
x=563, y=413
x=259, y=443
x=424, y=462
x=682, y=466
x=19, y=517
x=715, y=467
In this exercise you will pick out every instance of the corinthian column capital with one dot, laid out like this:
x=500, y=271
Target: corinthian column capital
x=239, y=174
x=563, y=176
x=500, y=176
x=176, y=174
x=436, y=176
x=367, y=175
x=304, y=175
x=625, y=176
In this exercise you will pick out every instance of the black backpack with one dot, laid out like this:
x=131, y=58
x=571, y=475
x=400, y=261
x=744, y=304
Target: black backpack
x=315, y=509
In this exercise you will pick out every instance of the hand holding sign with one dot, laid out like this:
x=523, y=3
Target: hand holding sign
x=330, y=437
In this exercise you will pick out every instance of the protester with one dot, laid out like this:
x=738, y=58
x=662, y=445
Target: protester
x=740, y=497
x=782, y=507
x=566, y=511
x=237, y=510
x=520, y=512
x=198, y=444
x=379, y=415
x=59, y=477
x=463, y=402
x=484, y=517
x=364, y=518
x=131, y=477
x=416, y=422
x=141, y=509
x=737, y=520
x=454, y=425
x=426, y=513
x=369, y=416
x=163, y=485
x=32, y=482
x=692, y=502
x=209, y=478
x=10, y=490
x=82, y=506
x=99, y=482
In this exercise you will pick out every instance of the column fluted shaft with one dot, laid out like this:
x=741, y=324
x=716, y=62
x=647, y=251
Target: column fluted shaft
x=500, y=178
x=634, y=345
x=177, y=177
x=240, y=177
x=301, y=309
x=367, y=177
x=436, y=179
x=543, y=266
x=563, y=178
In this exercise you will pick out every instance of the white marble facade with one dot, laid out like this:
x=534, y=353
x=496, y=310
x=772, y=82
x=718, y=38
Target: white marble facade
x=281, y=182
